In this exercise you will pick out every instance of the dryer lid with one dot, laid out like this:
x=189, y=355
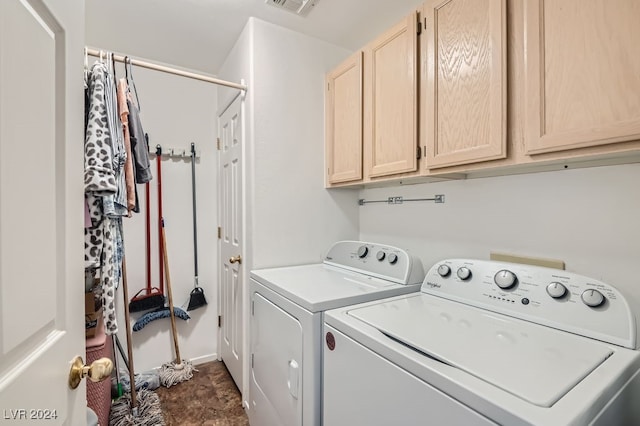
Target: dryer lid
x=533, y=362
x=321, y=287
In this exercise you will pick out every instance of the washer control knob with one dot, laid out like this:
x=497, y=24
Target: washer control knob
x=363, y=251
x=505, y=279
x=592, y=298
x=444, y=270
x=380, y=255
x=393, y=258
x=556, y=290
x=464, y=273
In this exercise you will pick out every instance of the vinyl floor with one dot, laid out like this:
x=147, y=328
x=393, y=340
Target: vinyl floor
x=210, y=398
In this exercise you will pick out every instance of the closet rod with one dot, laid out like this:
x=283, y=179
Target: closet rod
x=188, y=74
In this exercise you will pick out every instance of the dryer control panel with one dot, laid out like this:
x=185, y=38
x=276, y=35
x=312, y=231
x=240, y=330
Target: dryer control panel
x=377, y=260
x=546, y=296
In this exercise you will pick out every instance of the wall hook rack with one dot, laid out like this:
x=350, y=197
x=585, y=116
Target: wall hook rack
x=171, y=152
x=438, y=199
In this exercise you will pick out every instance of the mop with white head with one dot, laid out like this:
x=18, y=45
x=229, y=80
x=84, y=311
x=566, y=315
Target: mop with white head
x=172, y=373
x=146, y=413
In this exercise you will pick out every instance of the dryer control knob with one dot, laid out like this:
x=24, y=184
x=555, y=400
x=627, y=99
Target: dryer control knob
x=464, y=273
x=393, y=258
x=556, y=290
x=444, y=270
x=380, y=255
x=592, y=298
x=505, y=279
x=363, y=251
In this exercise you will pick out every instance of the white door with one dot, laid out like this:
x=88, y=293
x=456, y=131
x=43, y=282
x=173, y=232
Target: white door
x=230, y=129
x=41, y=211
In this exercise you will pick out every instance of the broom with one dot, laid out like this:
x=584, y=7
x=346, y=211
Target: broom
x=153, y=297
x=196, y=297
x=172, y=373
x=134, y=408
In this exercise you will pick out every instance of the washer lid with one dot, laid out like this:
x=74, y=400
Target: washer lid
x=536, y=363
x=320, y=287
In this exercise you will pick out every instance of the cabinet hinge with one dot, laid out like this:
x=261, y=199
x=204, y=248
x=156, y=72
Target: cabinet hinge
x=419, y=153
x=252, y=307
x=219, y=232
x=218, y=143
x=328, y=86
x=251, y=360
x=219, y=320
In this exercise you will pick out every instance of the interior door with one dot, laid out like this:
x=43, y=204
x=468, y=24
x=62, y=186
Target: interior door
x=230, y=128
x=41, y=196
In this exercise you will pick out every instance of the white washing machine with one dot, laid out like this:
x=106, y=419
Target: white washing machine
x=485, y=343
x=287, y=306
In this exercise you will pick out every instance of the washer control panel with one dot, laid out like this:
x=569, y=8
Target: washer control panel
x=378, y=260
x=546, y=296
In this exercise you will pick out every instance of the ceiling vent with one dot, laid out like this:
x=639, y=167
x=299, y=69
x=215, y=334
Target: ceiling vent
x=299, y=7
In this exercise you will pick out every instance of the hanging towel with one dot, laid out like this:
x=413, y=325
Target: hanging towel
x=123, y=110
x=139, y=145
x=115, y=205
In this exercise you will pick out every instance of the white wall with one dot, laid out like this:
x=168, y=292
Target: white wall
x=586, y=217
x=295, y=219
x=290, y=217
x=175, y=112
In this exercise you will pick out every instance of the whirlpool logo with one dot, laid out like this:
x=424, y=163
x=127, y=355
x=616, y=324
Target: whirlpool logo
x=433, y=285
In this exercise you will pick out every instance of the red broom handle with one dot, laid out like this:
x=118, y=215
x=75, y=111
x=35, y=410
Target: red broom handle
x=160, y=236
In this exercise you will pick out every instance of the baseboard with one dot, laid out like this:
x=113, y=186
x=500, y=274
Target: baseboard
x=205, y=358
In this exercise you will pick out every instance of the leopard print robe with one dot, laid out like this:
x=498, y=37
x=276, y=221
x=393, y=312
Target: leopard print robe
x=100, y=182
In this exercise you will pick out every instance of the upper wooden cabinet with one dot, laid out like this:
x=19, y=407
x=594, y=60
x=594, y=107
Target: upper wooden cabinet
x=582, y=66
x=464, y=90
x=343, y=120
x=391, y=100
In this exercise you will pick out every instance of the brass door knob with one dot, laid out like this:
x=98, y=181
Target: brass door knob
x=98, y=371
x=234, y=259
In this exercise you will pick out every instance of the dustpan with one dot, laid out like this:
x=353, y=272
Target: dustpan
x=196, y=297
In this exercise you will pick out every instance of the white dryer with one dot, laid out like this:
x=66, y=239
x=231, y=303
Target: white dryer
x=287, y=306
x=485, y=343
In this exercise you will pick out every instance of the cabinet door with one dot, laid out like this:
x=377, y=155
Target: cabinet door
x=344, y=121
x=464, y=77
x=582, y=73
x=391, y=98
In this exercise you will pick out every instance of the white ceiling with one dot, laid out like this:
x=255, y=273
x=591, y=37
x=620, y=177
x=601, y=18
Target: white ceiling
x=198, y=34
